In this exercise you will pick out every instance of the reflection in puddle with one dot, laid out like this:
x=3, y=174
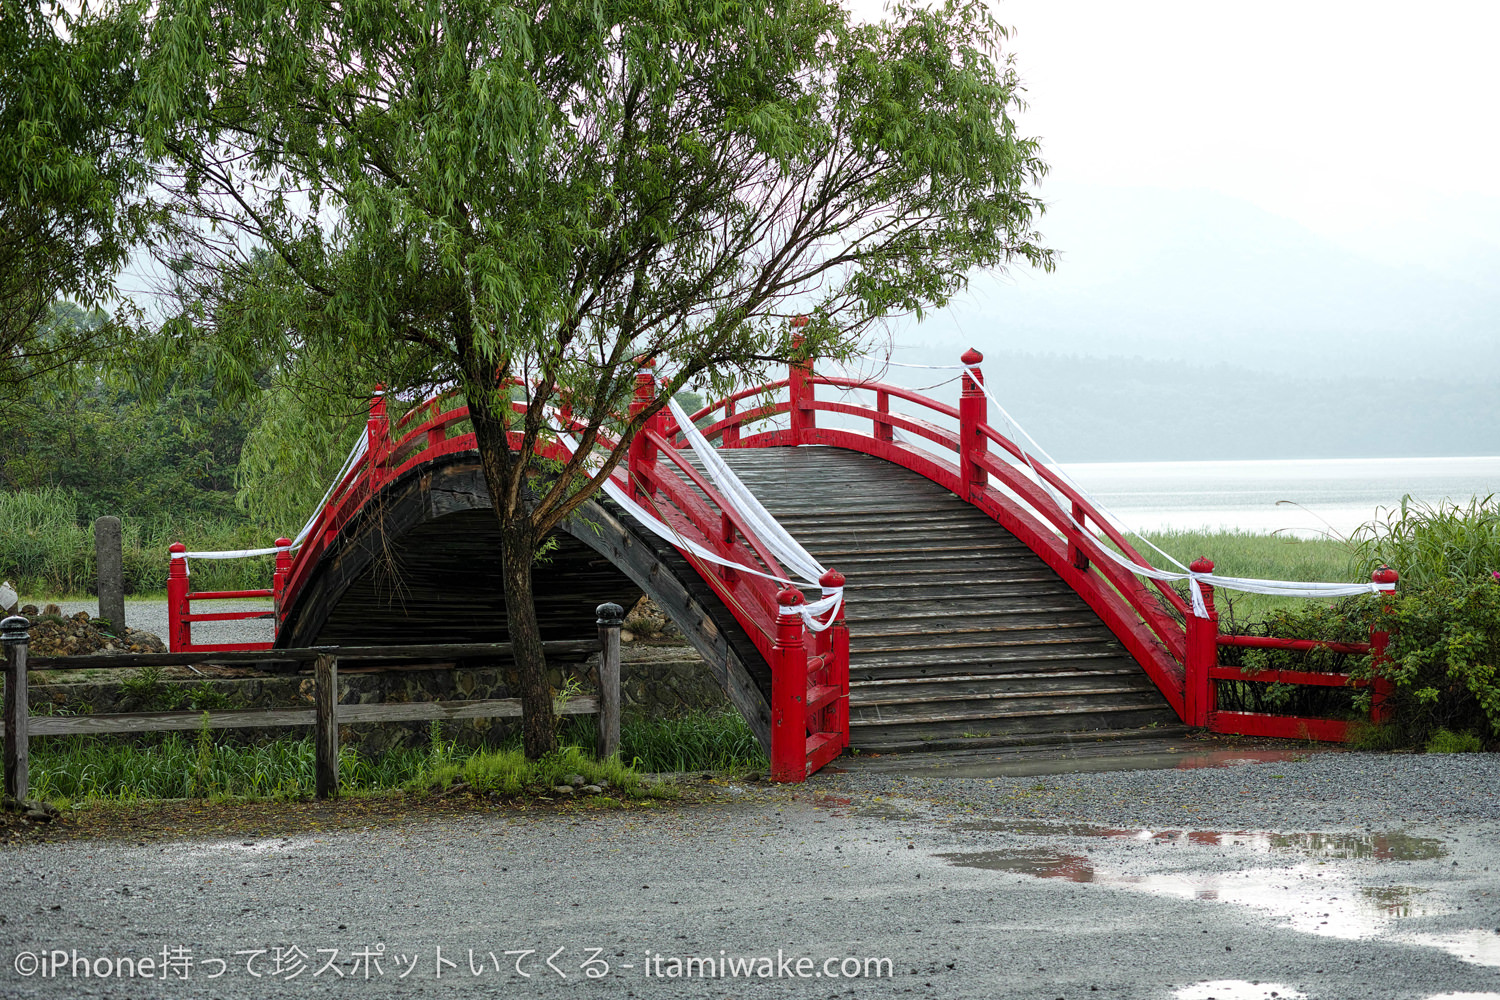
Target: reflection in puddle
x=1379, y=846
x=1306, y=899
x=1042, y=864
x=1237, y=989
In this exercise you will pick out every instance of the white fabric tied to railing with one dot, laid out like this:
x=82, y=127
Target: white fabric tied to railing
x=766, y=526
x=355, y=454
x=1277, y=588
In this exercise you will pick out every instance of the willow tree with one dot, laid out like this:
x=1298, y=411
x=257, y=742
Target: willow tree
x=538, y=193
x=67, y=221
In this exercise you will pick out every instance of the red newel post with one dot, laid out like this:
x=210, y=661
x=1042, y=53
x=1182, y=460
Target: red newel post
x=799, y=388
x=1202, y=655
x=973, y=410
x=279, y=576
x=1380, y=640
x=642, y=456
x=837, y=658
x=789, y=692
x=179, y=629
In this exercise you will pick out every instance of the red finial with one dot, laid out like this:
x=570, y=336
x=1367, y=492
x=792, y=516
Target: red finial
x=283, y=543
x=1384, y=575
x=790, y=597
x=971, y=357
x=832, y=580
x=1202, y=566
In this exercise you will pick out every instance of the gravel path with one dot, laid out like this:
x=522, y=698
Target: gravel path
x=974, y=888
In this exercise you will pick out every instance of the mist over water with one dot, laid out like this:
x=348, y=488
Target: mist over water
x=1327, y=495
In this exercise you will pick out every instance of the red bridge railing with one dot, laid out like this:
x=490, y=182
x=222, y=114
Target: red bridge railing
x=1145, y=617
x=957, y=447
x=1205, y=673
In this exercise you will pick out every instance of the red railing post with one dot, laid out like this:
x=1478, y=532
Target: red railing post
x=378, y=436
x=279, y=577
x=836, y=655
x=789, y=692
x=884, y=429
x=799, y=388
x=1202, y=655
x=179, y=629
x=731, y=438
x=642, y=454
x=1380, y=640
x=1076, y=555
x=973, y=410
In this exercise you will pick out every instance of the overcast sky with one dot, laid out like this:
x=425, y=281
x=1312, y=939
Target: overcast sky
x=1349, y=117
x=1320, y=179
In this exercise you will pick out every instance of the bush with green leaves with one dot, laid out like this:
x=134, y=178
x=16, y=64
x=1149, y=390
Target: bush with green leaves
x=1445, y=646
x=1347, y=621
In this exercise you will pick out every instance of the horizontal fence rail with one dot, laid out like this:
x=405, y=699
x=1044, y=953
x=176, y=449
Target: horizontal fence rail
x=325, y=716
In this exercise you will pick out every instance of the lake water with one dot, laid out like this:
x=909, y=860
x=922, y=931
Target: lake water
x=1304, y=497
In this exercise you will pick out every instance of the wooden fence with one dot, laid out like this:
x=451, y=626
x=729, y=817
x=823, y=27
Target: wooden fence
x=325, y=716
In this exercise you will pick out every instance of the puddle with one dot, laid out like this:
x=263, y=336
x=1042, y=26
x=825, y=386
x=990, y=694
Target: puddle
x=1237, y=989
x=1475, y=947
x=1042, y=864
x=1304, y=898
x=1395, y=846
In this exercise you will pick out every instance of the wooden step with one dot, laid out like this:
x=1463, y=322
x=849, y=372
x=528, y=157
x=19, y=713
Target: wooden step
x=958, y=632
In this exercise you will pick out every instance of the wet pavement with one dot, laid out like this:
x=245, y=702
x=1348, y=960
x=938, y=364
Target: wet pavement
x=950, y=888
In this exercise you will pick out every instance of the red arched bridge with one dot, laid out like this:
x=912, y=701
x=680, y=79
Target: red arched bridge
x=981, y=604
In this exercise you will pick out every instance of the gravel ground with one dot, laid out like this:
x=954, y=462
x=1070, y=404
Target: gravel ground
x=151, y=616
x=974, y=888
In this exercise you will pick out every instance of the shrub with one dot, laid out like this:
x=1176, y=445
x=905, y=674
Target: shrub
x=1346, y=620
x=1445, y=645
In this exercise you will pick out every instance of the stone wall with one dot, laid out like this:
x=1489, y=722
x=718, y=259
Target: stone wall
x=656, y=680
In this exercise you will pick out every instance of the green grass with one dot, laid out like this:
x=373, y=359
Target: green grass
x=48, y=553
x=1262, y=556
x=1447, y=741
x=87, y=769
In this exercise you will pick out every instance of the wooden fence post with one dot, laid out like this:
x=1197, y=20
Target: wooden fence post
x=109, y=560
x=973, y=410
x=1380, y=640
x=1202, y=654
x=14, y=637
x=789, y=692
x=610, y=618
x=326, y=733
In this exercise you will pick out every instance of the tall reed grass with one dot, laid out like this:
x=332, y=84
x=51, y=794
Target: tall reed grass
x=47, y=552
x=1428, y=543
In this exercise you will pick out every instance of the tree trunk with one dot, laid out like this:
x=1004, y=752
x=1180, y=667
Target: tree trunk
x=539, y=730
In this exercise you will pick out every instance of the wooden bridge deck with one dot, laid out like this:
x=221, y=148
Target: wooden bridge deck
x=959, y=634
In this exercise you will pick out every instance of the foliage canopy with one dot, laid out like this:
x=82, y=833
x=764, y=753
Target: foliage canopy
x=471, y=193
